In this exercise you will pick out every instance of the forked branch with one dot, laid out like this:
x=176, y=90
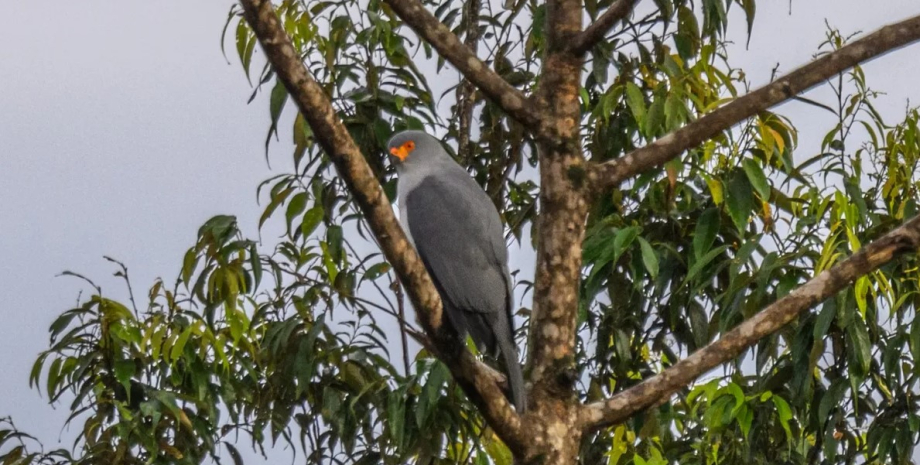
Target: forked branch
x=611, y=173
x=510, y=99
x=905, y=238
x=478, y=382
x=598, y=29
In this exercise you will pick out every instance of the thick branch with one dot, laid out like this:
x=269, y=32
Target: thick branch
x=513, y=101
x=658, y=388
x=332, y=135
x=561, y=223
x=611, y=173
x=598, y=29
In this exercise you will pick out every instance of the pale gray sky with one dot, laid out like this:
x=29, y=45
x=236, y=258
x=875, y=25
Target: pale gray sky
x=123, y=128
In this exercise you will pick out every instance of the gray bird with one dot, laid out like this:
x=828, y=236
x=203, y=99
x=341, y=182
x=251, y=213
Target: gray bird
x=457, y=232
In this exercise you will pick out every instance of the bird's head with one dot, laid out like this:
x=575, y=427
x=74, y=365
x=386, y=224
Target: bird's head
x=414, y=148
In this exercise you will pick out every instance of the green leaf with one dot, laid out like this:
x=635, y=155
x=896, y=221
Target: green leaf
x=623, y=239
x=704, y=235
x=745, y=417
x=740, y=200
x=234, y=454
x=757, y=178
x=702, y=262
x=831, y=399
x=649, y=257
x=785, y=414
x=860, y=346
x=124, y=371
x=377, y=271
x=311, y=220
x=396, y=416
x=276, y=200
x=655, y=118
x=189, y=262
x=179, y=346
x=636, y=102
x=256, y=264
x=295, y=207
x=825, y=318
x=276, y=102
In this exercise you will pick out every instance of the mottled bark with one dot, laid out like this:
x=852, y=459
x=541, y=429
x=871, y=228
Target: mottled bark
x=511, y=100
x=333, y=137
x=886, y=39
x=618, y=408
x=561, y=228
x=598, y=29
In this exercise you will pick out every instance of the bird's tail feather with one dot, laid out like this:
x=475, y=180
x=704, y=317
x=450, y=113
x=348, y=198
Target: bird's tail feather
x=505, y=339
x=515, y=374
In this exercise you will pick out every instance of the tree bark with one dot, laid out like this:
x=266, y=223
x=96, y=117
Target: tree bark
x=561, y=227
x=598, y=29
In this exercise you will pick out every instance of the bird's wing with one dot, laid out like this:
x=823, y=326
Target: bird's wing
x=455, y=226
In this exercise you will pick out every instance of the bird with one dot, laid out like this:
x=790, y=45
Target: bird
x=458, y=234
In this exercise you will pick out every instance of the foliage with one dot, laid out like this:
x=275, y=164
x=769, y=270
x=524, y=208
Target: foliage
x=288, y=343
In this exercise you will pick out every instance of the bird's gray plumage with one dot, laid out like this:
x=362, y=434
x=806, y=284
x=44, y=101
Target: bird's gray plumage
x=459, y=236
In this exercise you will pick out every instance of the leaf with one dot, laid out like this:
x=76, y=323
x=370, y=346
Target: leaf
x=745, y=417
x=377, y=271
x=785, y=414
x=823, y=323
x=649, y=257
x=218, y=229
x=749, y=10
x=311, y=220
x=179, y=346
x=623, y=239
x=699, y=264
x=860, y=346
x=189, y=262
x=831, y=399
x=295, y=207
x=396, y=415
x=757, y=178
x=276, y=200
x=715, y=189
x=255, y=263
x=655, y=118
x=276, y=103
x=636, y=102
x=124, y=371
x=704, y=234
x=740, y=200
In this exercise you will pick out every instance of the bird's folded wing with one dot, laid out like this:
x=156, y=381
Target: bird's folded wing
x=453, y=225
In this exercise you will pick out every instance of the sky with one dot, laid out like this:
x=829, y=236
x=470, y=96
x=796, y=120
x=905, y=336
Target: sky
x=123, y=128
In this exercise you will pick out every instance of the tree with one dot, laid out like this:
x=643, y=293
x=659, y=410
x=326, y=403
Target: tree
x=676, y=230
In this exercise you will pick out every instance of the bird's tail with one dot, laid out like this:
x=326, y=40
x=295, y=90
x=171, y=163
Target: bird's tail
x=508, y=348
x=515, y=376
